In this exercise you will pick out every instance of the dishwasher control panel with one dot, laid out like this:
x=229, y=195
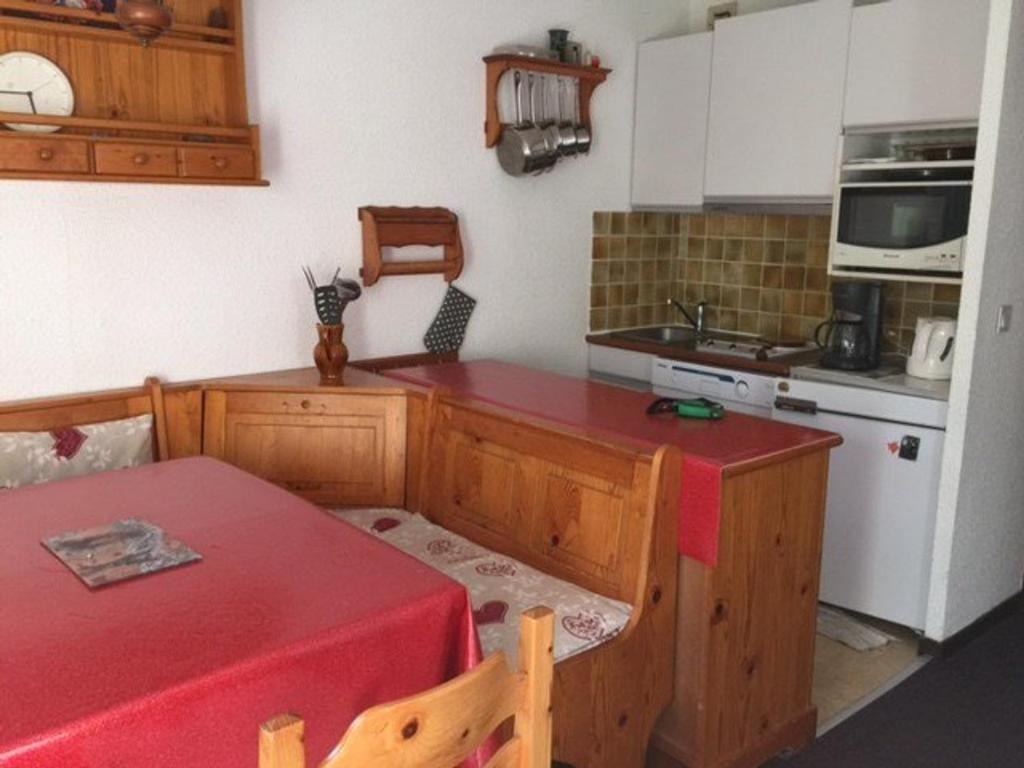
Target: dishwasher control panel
x=725, y=385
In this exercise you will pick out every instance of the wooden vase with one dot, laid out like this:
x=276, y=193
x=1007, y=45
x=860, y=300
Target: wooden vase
x=330, y=353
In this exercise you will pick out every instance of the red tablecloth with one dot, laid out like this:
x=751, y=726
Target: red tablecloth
x=710, y=448
x=289, y=611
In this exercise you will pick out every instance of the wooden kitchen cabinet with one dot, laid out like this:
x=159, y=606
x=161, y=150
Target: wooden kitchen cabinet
x=916, y=61
x=776, y=103
x=174, y=111
x=671, y=121
x=327, y=448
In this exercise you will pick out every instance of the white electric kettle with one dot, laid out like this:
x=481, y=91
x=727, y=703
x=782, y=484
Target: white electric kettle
x=932, y=356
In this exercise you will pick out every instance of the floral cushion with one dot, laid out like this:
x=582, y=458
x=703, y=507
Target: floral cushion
x=29, y=458
x=500, y=588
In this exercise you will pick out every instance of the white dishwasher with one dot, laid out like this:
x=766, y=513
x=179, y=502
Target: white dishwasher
x=882, y=488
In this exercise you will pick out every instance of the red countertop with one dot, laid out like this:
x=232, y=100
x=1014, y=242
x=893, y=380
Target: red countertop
x=712, y=450
x=737, y=443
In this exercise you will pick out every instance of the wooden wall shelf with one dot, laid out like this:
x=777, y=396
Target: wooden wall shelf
x=174, y=112
x=33, y=13
x=497, y=65
x=401, y=227
x=117, y=35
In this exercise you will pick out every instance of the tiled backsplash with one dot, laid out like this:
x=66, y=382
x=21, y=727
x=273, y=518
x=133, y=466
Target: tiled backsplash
x=759, y=273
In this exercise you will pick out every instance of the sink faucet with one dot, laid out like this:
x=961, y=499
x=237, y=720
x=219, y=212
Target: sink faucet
x=700, y=323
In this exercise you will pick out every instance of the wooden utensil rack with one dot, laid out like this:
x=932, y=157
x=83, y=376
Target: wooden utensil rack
x=497, y=65
x=140, y=114
x=394, y=227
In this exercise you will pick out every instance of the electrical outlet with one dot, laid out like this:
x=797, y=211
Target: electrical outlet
x=1003, y=318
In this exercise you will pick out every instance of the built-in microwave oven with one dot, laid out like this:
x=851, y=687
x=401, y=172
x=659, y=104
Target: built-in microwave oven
x=900, y=227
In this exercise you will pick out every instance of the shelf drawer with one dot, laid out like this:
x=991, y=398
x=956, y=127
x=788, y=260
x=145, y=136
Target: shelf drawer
x=45, y=155
x=217, y=163
x=136, y=160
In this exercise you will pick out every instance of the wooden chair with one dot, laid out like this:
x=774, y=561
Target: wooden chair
x=441, y=727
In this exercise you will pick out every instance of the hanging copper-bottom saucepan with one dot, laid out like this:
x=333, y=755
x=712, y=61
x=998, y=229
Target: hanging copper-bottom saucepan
x=582, y=132
x=548, y=128
x=522, y=148
x=566, y=128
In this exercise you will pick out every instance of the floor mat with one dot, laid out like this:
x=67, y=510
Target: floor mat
x=844, y=628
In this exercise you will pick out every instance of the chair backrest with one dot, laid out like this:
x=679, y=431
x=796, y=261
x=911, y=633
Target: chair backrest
x=441, y=727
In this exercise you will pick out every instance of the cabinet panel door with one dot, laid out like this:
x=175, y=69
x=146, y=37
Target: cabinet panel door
x=776, y=103
x=347, y=450
x=916, y=61
x=671, y=121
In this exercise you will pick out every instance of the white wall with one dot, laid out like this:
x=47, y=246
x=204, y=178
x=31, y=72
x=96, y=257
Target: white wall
x=361, y=102
x=979, y=547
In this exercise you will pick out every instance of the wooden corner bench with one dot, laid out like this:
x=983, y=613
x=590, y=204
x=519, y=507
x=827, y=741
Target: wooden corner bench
x=587, y=511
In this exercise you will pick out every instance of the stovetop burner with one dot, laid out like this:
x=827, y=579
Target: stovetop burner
x=752, y=347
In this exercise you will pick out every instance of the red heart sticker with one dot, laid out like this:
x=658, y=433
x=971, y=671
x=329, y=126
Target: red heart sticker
x=385, y=524
x=492, y=612
x=68, y=442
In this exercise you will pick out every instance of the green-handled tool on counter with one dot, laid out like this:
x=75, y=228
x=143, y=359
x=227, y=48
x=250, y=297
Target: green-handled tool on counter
x=696, y=408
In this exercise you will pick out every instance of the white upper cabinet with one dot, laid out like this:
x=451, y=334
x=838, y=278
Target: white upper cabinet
x=916, y=61
x=671, y=121
x=777, y=103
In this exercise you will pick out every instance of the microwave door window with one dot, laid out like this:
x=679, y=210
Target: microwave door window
x=914, y=223
x=901, y=218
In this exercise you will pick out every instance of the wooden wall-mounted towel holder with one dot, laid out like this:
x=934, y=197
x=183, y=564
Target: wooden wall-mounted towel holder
x=400, y=227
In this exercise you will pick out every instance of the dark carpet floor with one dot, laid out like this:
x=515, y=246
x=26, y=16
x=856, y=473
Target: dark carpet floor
x=962, y=711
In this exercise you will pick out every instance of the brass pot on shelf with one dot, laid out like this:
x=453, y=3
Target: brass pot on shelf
x=146, y=19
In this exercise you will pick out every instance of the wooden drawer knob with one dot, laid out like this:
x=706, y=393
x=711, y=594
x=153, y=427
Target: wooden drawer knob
x=46, y=154
x=141, y=159
x=306, y=405
x=221, y=163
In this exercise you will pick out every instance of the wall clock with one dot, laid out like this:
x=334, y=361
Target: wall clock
x=34, y=85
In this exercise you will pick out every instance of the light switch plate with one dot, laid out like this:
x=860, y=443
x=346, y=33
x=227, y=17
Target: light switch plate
x=1003, y=318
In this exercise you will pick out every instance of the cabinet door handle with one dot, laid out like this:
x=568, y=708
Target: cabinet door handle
x=221, y=163
x=46, y=154
x=796, y=405
x=141, y=159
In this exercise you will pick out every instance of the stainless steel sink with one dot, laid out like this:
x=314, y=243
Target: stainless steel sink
x=662, y=334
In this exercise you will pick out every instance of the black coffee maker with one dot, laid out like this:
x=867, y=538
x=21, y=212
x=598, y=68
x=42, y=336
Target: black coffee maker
x=852, y=338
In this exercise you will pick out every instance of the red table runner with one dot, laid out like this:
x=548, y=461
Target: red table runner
x=289, y=611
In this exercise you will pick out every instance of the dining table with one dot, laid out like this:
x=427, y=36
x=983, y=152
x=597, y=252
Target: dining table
x=289, y=610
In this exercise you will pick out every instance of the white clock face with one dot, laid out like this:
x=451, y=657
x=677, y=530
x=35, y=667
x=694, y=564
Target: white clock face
x=32, y=84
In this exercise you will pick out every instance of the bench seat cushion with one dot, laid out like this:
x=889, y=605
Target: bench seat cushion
x=500, y=588
x=29, y=458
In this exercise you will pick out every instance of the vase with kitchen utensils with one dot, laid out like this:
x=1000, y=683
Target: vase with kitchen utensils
x=330, y=353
